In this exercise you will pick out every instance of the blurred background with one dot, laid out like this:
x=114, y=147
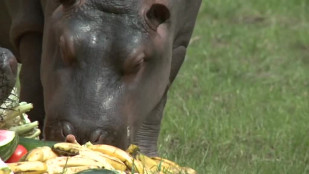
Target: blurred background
x=240, y=103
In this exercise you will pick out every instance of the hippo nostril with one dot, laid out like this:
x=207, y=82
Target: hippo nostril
x=67, y=129
x=98, y=136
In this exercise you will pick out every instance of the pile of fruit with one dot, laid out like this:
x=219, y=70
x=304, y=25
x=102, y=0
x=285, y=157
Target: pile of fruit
x=22, y=152
x=64, y=157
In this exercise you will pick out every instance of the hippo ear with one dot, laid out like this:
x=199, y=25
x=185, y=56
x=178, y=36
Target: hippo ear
x=157, y=14
x=67, y=3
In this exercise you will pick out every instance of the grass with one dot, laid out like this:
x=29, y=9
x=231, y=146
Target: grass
x=240, y=103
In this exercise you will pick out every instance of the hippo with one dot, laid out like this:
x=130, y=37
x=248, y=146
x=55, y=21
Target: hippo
x=8, y=73
x=99, y=69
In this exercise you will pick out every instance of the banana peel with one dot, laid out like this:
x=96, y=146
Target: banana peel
x=29, y=166
x=41, y=154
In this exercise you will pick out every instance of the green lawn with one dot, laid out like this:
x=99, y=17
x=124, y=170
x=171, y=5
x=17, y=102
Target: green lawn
x=240, y=103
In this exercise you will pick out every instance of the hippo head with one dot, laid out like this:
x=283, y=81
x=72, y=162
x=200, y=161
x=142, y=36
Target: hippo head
x=8, y=72
x=105, y=70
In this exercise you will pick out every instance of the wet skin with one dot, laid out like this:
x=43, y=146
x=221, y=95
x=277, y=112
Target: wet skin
x=106, y=67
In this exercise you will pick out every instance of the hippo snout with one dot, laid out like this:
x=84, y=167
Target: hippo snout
x=66, y=129
x=99, y=136
x=83, y=134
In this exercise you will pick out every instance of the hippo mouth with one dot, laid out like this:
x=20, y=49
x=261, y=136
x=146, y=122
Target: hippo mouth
x=59, y=130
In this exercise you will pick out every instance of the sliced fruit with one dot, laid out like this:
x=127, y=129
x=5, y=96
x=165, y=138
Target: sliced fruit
x=8, y=143
x=18, y=154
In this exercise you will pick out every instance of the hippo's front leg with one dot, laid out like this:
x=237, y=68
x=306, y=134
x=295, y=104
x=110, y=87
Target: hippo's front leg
x=26, y=30
x=31, y=89
x=146, y=137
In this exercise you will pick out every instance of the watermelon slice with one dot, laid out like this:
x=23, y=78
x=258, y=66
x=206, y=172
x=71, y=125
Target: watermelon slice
x=8, y=143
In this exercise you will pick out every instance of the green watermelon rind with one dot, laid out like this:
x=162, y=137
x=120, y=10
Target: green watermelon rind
x=8, y=144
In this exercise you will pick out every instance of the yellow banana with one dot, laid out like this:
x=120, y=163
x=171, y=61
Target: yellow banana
x=67, y=149
x=59, y=164
x=138, y=167
x=133, y=149
x=120, y=154
x=115, y=162
x=5, y=170
x=31, y=172
x=28, y=166
x=98, y=156
x=73, y=162
x=41, y=154
x=149, y=165
x=35, y=155
x=72, y=170
x=65, y=170
x=188, y=170
x=112, y=151
x=147, y=162
x=166, y=165
x=169, y=166
x=165, y=161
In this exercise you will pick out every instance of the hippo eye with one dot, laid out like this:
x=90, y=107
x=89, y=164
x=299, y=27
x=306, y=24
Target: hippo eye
x=157, y=15
x=132, y=66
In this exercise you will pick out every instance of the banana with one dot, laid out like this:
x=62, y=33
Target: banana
x=188, y=170
x=138, y=167
x=72, y=162
x=72, y=170
x=120, y=154
x=67, y=149
x=28, y=166
x=112, y=151
x=133, y=149
x=166, y=165
x=115, y=162
x=4, y=170
x=103, y=158
x=147, y=162
x=96, y=157
x=30, y=172
x=59, y=164
x=41, y=154
x=169, y=166
x=78, y=158
x=35, y=155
